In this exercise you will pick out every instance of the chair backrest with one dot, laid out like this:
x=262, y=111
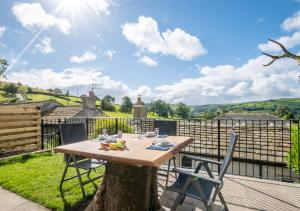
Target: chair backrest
x=229, y=154
x=166, y=127
x=72, y=133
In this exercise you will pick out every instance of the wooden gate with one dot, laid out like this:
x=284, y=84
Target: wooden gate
x=20, y=129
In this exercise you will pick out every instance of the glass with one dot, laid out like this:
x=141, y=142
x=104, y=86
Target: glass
x=156, y=130
x=104, y=132
x=120, y=134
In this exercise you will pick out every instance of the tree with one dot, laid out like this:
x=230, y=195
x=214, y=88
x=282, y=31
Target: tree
x=182, y=110
x=107, y=106
x=160, y=107
x=3, y=67
x=57, y=91
x=29, y=90
x=19, y=83
x=108, y=99
x=127, y=105
x=286, y=54
x=11, y=89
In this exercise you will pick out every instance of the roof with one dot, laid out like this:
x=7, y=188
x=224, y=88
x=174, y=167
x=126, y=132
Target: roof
x=63, y=112
x=248, y=116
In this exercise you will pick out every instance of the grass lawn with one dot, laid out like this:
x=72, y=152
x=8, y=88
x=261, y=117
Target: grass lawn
x=37, y=178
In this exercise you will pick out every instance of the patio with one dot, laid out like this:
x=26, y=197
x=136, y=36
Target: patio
x=244, y=193
x=241, y=193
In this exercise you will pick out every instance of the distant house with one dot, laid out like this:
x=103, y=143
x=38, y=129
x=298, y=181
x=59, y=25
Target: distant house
x=87, y=109
x=51, y=109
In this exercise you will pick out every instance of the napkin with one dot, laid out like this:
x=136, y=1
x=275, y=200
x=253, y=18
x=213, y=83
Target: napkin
x=156, y=147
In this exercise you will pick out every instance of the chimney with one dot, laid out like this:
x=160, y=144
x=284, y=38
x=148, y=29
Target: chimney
x=89, y=101
x=139, y=111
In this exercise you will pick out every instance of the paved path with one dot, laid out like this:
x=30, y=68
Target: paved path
x=12, y=202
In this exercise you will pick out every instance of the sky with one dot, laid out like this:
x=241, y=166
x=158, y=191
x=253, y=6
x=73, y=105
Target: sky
x=196, y=51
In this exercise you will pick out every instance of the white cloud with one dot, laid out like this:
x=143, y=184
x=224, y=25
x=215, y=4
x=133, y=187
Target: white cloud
x=32, y=16
x=2, y=30
x=228, y=84
x=145, y=35
x=218, y=84
x=148, y=61
x=109, y=53
x=44, y=46
x=287, y=41
x=292, y=23
x=87, y=56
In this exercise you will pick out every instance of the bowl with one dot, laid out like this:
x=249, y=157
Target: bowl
x=150, y=134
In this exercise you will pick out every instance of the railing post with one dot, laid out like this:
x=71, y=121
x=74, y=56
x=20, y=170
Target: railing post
x=219, y=143
x=42, y=134
x=59, y=138
x=117, y=125
x=87, y=126
x=298, y=150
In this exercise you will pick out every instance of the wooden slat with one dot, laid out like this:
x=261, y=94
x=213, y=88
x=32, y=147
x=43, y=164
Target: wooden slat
x=17, y=112
x=7, y=110
x=18, y=124
x=19, y=118
x=18, y=136
x=19, y=130
x=19, y=143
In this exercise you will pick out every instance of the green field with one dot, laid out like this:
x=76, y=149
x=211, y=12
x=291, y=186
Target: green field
x=37, y=178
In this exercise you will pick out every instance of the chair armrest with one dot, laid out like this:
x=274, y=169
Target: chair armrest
x=203, y=159
x=184, y=172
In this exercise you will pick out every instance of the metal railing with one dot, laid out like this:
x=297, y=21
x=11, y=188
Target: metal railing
x=265, y=149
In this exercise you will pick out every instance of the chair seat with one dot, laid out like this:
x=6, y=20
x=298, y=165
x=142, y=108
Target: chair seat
x=88, y=164
x=193, y=191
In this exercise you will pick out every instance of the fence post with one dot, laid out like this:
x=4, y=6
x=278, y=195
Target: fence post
x=42, y=134
x=219, y=143
x=117, y=125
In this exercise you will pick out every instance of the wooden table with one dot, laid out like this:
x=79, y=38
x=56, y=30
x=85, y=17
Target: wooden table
x=130, y=179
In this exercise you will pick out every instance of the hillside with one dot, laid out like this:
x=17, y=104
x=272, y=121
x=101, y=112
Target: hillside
x=36, y=95
x=269, y=106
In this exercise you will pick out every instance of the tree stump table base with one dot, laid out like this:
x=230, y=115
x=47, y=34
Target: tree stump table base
x=127, y=188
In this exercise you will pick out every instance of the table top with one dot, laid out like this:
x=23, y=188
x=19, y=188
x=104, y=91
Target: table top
x=136, y=153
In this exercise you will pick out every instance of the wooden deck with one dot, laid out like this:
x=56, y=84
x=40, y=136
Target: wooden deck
x=243, y=193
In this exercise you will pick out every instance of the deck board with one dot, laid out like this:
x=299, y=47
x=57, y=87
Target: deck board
x=244, y=193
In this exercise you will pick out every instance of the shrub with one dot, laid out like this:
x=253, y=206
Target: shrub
x=110, y=126
x=293, y=156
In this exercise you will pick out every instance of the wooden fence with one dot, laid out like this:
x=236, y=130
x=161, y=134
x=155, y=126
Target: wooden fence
x=20, y=129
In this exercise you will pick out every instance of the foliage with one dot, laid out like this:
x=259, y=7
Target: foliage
x=107, y=106
x=3, y=67
x=106, y=103
x=37, y=178
x=57, y=91
x=293, y=155
x=182, y=110
x=285, y=112
x=111, y=125
x=126, y=105
x=109, y=99
x=11, y=89
x=162, y=108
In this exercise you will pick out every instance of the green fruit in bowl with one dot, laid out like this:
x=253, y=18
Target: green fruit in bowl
x=119, y=145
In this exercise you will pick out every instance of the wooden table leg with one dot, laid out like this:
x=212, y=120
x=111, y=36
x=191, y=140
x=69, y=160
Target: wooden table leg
x=126, y=188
